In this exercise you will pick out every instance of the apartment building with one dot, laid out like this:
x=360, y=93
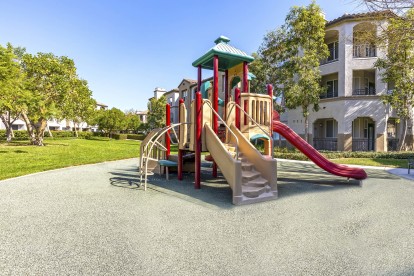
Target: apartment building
x=352, y=116
x=59, y=124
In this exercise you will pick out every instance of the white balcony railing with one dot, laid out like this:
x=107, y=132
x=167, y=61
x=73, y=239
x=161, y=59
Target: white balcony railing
x=365, y=50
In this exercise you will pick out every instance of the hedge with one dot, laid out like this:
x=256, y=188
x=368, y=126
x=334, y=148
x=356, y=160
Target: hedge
x=136, y=136
x=20, y=135
x=118, y=136
x=295, y=154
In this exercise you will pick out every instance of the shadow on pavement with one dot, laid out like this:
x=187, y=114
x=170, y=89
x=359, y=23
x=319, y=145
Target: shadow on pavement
x=293, y=179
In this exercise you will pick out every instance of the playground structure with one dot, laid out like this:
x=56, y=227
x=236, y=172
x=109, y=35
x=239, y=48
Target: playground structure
x=244, y=117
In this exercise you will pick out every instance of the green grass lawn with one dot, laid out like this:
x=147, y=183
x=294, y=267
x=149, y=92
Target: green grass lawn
x=395, y=163
x=19, y=158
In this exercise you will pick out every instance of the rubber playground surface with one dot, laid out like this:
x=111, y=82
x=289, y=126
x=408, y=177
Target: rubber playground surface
x=94, y=220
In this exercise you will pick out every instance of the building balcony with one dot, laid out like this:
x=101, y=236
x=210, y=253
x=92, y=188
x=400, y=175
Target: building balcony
x=363, y=91
x=364, y=51
x=327, y=60
x=330, y=144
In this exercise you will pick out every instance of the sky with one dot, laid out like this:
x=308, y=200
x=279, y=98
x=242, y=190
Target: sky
x=126, y=48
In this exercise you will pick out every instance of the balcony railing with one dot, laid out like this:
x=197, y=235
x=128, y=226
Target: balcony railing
x=364, y=51
x=327, y=60
x=363, y=91
x=362, y=144
x=330, y=144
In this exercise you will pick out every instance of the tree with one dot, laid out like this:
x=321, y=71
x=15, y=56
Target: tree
x=132, y=121
x=48, y=79
x=12, y=94
x=78, y=104
x=258, y=84
x=156, y=114
x=111, y=120
x=397, y=68
x=396, y=6
x=291, y=56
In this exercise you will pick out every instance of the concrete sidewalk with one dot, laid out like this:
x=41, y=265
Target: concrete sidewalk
x=95, y=220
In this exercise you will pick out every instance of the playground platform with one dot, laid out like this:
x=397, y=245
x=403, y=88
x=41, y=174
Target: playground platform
x=94, y=220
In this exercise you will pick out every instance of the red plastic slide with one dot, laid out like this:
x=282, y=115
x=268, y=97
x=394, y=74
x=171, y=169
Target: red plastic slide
x=313, y=154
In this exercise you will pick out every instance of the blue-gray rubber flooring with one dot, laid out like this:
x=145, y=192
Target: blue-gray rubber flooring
x=95, y=220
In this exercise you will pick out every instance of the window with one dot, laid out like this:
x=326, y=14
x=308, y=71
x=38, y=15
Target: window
x=331, y=129
x=184, y=94
x=15, y=127
x=332, y=91
x=360, y=128
x=333, y=51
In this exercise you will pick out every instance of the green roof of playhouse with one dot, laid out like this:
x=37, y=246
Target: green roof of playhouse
x=229, y=56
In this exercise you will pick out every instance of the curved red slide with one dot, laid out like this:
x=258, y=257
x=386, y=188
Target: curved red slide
x=313, y=154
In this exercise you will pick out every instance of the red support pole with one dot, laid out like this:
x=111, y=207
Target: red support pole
x=215, y=103
x=226, y=93
x=180, y=151
x=199, y=78
x=245, y=77
x=197, y=140
x=237, y=100
x=167, y=135
x=270, y=93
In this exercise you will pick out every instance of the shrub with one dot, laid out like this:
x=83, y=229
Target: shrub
x=84, y=135
x=118, y=136
x=136, y=136
x=19, y=135
x=297, y=155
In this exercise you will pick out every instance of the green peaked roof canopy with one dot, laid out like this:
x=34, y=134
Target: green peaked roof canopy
x=228, y=55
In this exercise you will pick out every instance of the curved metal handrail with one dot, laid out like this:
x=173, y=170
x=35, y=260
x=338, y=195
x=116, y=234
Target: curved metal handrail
x=153, y=141
x=232, y=133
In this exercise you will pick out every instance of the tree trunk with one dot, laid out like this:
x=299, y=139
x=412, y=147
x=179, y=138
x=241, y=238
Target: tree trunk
x=40, y=132
x=306, y=129
x=12, y=133
x=29, y=128
x=50, y=133
x=76, y=130
x=401, y=142
x=6, y=122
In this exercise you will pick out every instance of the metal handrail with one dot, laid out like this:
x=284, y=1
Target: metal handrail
x=153, y=141
x=232, y=133
x=251, y=119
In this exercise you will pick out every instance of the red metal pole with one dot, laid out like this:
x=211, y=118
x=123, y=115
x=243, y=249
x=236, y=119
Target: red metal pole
x=215, y=103
x=226, y=93
x=237, y=100
x=167, y=135
x=180, y=151
x=245, y=77
x=270, y=93
x=197, y=140
x=199, y=78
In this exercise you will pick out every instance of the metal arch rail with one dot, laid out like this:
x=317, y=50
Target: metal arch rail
x=144, y=156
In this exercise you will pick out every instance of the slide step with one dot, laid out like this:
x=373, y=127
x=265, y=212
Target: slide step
x=247, y=166
x=258, y=182
x=253, y=191
x=249, y=175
